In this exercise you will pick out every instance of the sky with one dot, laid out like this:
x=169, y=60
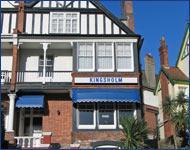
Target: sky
x=154, y=19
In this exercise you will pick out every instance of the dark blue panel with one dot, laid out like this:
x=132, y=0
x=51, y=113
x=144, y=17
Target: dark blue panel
x=30, y=101
x=106, y=95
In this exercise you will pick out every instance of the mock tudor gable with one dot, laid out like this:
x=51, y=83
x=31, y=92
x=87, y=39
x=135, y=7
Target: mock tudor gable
x=77, y=17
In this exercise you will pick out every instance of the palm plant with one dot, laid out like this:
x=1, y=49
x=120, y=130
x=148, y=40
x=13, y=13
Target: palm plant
x=135, y=132
x=177, y=111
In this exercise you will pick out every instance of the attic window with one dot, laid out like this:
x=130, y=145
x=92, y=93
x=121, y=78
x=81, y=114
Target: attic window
x=64, y=22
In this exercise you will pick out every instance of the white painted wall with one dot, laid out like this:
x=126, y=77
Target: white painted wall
x=8, y=4
x=150, y=98
x=100, y=24
x=63, y=61
x=184, y=66
x=91, y=24
x=6, y=60
x=108, y=25
x=83, y=24
x=160, y=115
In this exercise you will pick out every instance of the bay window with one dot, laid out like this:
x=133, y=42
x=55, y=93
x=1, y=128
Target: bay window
x=62, y=22
x=124, y=57
x=86, y=57
x=86, y=116
x=105, y=57
x=107, y=116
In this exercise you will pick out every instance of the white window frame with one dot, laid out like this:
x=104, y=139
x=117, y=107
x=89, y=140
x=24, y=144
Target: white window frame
x=64, y=22
x=132, y=58
x=134, y=115
x=93, y=59
x=113, y=58
x=31, y=116
x=107, y=126
x=86, y=126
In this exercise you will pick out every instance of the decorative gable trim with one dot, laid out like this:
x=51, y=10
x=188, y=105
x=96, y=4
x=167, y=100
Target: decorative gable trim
x=183, y=45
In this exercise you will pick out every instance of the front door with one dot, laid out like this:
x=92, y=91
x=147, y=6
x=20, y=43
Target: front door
x=31, y=122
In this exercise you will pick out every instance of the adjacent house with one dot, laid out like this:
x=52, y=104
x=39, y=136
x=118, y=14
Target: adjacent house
x=171, y=80
x=150, y=100
x=70, y=70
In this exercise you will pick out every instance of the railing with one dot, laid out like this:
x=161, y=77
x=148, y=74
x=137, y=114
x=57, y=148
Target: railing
x=28, y=141
x=5, y=77
x=36, y=76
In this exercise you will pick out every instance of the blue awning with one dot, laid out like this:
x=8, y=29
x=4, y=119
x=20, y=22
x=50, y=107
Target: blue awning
x=30, y=101
x=105, y=95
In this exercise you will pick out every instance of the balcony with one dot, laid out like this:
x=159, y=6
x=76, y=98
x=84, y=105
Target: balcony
x=35, y=79
x=52, y=77
x=5, y=77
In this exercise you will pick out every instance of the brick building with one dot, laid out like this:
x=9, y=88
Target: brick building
x=70, y=72
x=172, y=80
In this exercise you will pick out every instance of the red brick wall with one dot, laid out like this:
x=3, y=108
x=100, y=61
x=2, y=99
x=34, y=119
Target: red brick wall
x=58, y=119
x=150, y=117
x=97, y=136
x=168, y=126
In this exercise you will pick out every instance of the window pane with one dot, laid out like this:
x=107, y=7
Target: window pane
x=123, y=54
x=104, y=56
x=106, y=114
x=85, y=62
x=106, y=117
x=125, y=113
x=37, y=123
x=60, y=29
x=105, y=62
x=54, y=25
x=27, y=126
x=85, y=57
x=68, y=26
x=74, y=26
x=86, y=117
x=127, y=50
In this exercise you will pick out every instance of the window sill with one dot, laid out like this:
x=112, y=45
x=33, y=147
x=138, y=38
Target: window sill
x=105, y=127
x=87, y=127
x=101, y=70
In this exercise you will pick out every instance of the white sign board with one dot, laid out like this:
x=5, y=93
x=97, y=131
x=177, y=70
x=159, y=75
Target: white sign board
x=105, y=80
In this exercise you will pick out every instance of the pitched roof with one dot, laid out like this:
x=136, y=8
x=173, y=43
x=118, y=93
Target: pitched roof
x=175, y=74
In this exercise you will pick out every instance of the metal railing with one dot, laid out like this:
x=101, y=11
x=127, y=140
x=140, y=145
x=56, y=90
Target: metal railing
x=36, y=76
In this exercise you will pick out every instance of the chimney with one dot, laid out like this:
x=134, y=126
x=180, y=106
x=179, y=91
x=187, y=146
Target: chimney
x=163, y=53
x=128, y=17
x=20, y=25
x=150, y=70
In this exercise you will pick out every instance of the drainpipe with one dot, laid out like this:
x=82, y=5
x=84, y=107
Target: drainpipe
x=141, y=40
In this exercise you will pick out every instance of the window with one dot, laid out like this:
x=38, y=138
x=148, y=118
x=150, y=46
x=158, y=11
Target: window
x=57, y=22
x=85, y=57
x=124, y=60
x=182, y=89
x=32, y=121
x=105, y=57
x=64, y=22
x=71, y=23
x=125, y=110
x=49, y=66
x=86, y=116
x=107, y=116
